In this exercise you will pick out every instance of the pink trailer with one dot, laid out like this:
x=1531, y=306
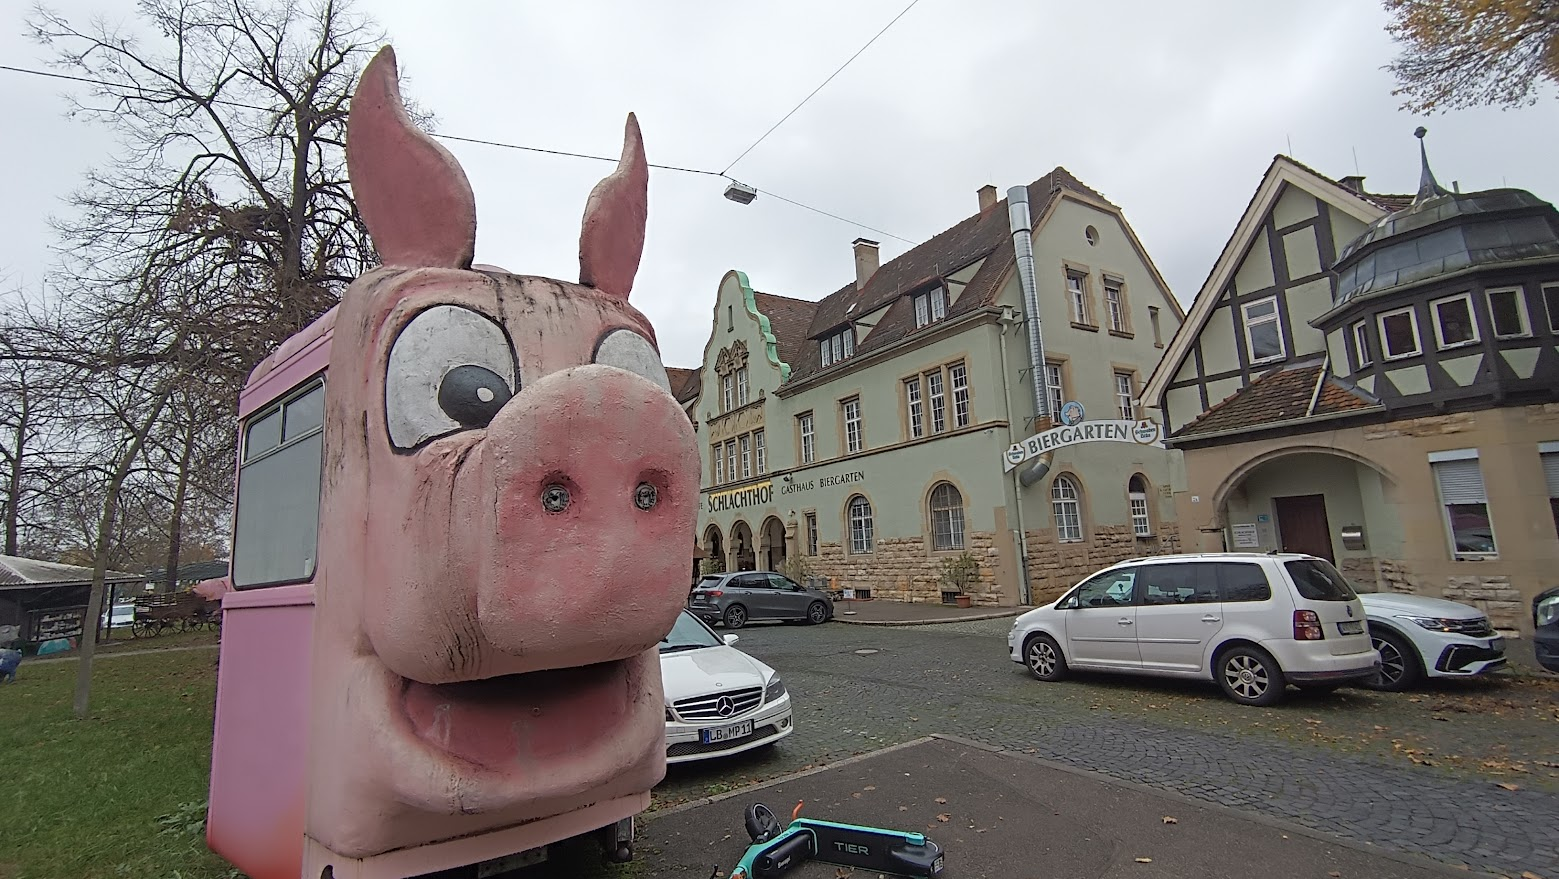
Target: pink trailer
x=463, y=504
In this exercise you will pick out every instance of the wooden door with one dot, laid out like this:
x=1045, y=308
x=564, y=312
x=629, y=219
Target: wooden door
x=1302, y=525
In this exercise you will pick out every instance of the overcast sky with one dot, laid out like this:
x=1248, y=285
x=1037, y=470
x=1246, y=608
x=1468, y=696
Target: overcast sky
x=1171, y=110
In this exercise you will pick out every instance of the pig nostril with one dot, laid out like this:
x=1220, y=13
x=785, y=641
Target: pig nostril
x=555, y=498
x=645, y=496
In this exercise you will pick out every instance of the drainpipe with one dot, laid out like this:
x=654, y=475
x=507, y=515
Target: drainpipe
x=1020, y=545
x=1023, y=247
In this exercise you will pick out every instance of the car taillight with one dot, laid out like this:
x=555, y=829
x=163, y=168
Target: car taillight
x=712, y=593
x=1307, y=626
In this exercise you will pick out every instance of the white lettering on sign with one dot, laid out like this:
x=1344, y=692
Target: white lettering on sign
x=1142, y=433
x=739, y=498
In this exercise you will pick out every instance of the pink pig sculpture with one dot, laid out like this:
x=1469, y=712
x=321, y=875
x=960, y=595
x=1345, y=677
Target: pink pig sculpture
x=508, y=490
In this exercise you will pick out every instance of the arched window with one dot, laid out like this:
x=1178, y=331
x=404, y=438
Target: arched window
x=947, y=517
x=1137, y=493
x=860, y=512
x=1065, y=503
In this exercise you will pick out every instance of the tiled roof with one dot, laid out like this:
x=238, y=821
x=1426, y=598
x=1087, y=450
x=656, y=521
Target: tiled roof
x=1381, y=200
x=789, y=320
x=684, y=382
x=1281, y=395
x=985, y=234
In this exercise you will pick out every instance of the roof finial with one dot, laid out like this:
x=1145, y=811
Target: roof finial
x=1428, y=187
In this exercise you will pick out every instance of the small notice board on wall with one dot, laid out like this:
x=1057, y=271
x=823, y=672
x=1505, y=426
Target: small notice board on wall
x=1245, y=535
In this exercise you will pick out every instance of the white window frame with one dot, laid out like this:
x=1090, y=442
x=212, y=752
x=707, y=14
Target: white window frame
x=730, y=459
x=1380, y=327
x=917, y=415
x=1548, y=457
x=1066, y=508
x=936, y=401
x=1361, y=344
x=808, y=437
x=760, y=452
x=862, y=538
x=854, y=435
x=727, y=392
x=1551, y=305
x=958, y=377
x=1521, y=312
x=1275, y=318
x=1158, y=335
x=1141, y=519
x=930, y=306
x=745, y=444
x=824, y=354
x=951, y=513
x=1439, y=329
x=1056, y=390
x=811, y=522
x=1077, y=295
x=741, y=387
x=1455, y=456
x=1116, y=307
x=718, y=450
x=1125, y=400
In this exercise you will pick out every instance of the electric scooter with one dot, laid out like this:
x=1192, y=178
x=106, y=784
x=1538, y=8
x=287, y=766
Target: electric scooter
x=776, y=849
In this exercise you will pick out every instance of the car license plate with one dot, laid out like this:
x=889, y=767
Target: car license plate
x=1497, y=644
x=1351, y=627
x=725, y=733
x=510, y=863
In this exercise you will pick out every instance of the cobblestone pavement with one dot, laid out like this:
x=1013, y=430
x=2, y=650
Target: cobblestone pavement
x=1464, y=775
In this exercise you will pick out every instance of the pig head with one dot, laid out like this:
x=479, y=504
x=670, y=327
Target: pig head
x=508, y=492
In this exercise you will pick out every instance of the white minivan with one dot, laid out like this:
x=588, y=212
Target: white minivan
x=1252, y=622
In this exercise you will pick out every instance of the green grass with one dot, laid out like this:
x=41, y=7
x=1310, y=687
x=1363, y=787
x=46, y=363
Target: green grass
x=119, y=795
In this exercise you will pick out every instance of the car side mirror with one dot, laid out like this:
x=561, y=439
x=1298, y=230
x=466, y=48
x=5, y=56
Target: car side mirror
x=730, y=638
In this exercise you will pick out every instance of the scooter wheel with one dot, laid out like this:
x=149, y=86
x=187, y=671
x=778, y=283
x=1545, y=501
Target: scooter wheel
x=761, y=822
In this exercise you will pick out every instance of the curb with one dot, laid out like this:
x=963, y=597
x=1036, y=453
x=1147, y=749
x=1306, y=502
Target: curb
x=932, y=622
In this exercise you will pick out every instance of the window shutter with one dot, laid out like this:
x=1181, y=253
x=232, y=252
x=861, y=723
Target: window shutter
x=1551, y=472
x=1461, y=482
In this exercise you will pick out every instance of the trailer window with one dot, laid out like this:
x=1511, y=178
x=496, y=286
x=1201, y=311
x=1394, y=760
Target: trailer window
x=276, y=528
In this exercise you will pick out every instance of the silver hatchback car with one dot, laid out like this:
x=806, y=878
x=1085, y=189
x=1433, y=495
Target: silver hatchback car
x=736, y=597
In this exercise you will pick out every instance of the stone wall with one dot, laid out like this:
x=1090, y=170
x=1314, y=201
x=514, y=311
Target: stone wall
x=1055, y=567
x=1432, y=425
x=905, y=569
x=1392, y=576
x=1492, y=595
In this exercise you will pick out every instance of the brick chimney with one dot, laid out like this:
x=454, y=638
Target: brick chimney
x=865, y=260
x=987, y=197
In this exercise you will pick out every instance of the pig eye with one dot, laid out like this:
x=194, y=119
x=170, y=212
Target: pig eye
x=628, y=350
x=450, y=369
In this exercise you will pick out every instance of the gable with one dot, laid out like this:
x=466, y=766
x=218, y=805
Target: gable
x=1281, y=247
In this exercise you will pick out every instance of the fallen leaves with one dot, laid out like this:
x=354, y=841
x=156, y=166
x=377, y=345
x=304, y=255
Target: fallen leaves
x=1144, y=860
x=944, y=817
x=941, y=800
x=1508, y=786
x=1170, y=820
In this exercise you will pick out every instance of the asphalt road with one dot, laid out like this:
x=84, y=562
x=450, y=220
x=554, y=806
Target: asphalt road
x=1465, y=775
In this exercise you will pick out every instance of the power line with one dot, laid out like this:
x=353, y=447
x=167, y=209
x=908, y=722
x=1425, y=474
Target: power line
x=500, y=144
x=820, y=88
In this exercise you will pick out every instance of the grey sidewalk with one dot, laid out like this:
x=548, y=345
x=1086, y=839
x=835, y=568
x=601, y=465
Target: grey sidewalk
x=888, y=612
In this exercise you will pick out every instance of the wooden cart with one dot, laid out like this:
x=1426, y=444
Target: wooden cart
x=173, y=612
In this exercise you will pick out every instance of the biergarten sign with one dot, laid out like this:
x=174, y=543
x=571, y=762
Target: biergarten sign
x=740, y=498
x=828, y=481
x=1142, y=433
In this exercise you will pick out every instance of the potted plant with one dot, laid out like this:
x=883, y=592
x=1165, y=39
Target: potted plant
x=957, y=573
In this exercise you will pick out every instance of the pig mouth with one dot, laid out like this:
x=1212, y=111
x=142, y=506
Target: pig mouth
x=522, y=721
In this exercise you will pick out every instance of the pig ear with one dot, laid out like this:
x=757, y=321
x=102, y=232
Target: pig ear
x=411, y=192
x=612, y=240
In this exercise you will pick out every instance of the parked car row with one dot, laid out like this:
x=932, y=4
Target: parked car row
x=1254, y=623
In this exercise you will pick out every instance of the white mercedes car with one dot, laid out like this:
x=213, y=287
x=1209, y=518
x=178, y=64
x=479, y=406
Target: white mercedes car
x=1421, y=637
x=719, y=700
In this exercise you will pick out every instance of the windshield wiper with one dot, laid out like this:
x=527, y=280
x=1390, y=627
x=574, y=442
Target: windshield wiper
x=678, y=647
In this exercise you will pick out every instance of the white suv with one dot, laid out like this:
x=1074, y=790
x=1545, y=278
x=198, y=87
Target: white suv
x=1252, y=622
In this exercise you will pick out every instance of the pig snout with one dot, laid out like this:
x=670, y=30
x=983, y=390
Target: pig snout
x=595, y=479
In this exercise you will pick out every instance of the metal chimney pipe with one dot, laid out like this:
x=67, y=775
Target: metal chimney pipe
x=1023, y=247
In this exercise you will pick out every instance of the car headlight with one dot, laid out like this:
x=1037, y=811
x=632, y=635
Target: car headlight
x=1434, y=624
x=1547, y=611
x=669, y=718
x=774, y=690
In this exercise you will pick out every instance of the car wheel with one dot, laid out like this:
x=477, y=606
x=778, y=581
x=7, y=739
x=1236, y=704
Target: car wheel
x=817, y=612
x=735, y=616
x=1250, y=677
x=1399, y=664
x=1042, y=656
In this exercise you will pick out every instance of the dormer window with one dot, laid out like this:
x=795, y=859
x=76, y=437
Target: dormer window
x=930, y=306
x=838, y=346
